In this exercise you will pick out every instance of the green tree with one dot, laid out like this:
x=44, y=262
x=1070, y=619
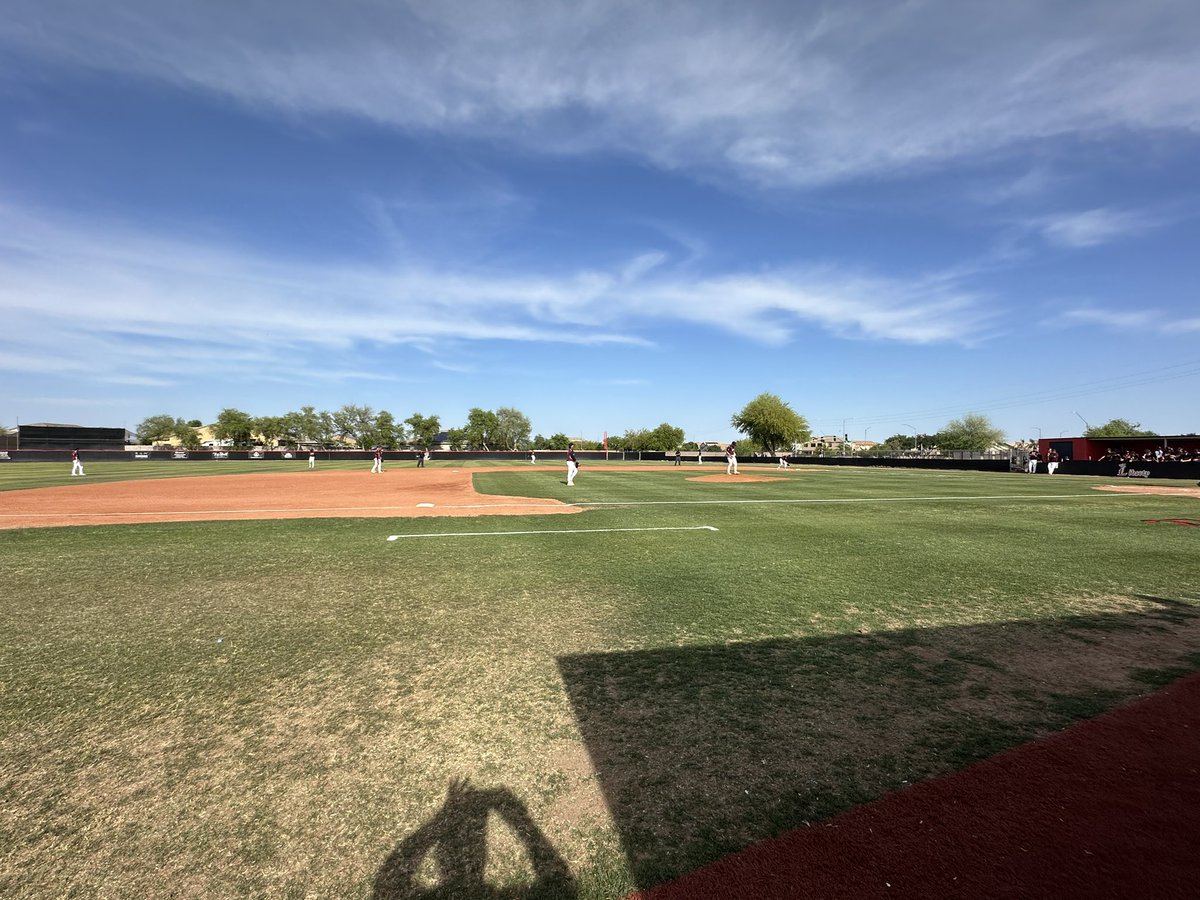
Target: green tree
x=384, y=432
x=354, y=422
x=270, y=429
x=1118, y=428
x=234, y=425
x=457, y=438
x=559, y=441
x=480, y=428
x=425, y=429
x=632, y=439
x=187, y=434
x=666, y=437
x=512, y=428
x=971, y=432
x=770, y=423
x=156, y=429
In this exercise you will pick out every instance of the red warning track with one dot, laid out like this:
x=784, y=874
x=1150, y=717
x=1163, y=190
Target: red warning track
x=1107, y=808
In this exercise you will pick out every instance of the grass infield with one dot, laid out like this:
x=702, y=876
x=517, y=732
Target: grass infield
x=302, y=708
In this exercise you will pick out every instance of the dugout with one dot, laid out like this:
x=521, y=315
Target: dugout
x=68, y=437
x=1085, y=448
x=1084, y=456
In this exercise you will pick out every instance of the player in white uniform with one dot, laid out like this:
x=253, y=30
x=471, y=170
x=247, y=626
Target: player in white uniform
x=572, y=465
x=731, y=459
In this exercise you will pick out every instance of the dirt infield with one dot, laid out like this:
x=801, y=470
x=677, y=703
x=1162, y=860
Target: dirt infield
x=320, y=494
x=282, y=495
x=1107, y=808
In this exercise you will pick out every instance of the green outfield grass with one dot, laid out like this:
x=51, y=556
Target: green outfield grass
x=303, y=708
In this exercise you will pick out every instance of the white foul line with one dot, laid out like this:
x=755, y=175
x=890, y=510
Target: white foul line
x=396, y=537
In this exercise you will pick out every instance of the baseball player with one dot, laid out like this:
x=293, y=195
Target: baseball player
x=731, y=459
x=377, y=466
x=572, y=465
x=76, y=464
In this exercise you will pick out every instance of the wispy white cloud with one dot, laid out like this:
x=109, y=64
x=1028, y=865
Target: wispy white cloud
x=110, y=300
x=778, y=93
x=1093, y=227
x=1141, y=320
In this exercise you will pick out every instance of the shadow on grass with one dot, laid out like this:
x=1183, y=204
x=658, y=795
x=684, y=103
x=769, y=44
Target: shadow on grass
x=456, y=841
x=701, y=751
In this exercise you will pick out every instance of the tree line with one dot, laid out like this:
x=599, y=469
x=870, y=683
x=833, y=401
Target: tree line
x=767, y=423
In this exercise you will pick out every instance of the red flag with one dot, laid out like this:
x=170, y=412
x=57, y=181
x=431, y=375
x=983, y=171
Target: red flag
x=606, y=440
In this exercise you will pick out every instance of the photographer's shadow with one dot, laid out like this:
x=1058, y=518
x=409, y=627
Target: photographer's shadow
x=456, y=840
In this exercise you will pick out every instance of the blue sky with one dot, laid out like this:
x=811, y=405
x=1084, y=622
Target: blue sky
x=606, y=214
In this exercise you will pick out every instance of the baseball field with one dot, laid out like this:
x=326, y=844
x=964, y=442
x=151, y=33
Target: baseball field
x=250, y=679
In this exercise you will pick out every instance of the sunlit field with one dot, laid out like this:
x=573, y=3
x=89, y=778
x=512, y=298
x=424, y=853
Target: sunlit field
x=559, y=706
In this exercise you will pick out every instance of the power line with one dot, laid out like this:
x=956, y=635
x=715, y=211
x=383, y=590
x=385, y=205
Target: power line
x=1102, y=386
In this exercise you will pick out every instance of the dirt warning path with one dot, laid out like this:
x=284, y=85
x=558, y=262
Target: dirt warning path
x=281, y=495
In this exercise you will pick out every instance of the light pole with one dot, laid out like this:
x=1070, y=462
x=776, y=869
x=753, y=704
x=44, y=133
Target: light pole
x=1039, y=431
x=1085, y=424
x=914, y=431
